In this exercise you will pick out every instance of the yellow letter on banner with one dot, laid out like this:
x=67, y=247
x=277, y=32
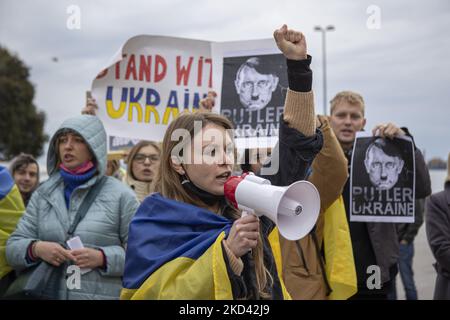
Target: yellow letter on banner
x=115, y=114
x=130, y=111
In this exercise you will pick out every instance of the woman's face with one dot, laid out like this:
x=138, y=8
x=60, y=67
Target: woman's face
x=145, y=164
x=73, y=150
x=211, y=163
x=110, y=168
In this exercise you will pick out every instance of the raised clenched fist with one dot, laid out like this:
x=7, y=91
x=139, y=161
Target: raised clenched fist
x=291, y=43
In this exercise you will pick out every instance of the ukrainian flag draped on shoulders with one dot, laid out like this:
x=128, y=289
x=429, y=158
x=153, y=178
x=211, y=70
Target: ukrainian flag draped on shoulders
x=174, y=251
x=11, y=210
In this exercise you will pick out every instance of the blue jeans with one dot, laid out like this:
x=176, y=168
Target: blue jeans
x=406, y=273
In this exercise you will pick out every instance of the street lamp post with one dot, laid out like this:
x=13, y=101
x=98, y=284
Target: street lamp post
x=324, y=57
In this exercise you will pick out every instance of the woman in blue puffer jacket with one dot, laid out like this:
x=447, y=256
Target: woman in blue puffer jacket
x=76, y=162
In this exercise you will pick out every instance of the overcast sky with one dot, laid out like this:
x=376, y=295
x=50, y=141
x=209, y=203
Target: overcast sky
x=402, y=68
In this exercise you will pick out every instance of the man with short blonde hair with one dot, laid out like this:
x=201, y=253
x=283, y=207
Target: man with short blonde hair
x=350, y=97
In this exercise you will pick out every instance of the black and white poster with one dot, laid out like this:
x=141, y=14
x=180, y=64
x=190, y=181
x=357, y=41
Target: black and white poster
x=382, y=181
x=253, y=92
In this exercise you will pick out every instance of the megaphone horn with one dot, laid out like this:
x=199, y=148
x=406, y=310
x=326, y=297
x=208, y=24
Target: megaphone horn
x=294, y=209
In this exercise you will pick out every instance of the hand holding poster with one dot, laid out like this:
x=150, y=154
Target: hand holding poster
x=382, y=179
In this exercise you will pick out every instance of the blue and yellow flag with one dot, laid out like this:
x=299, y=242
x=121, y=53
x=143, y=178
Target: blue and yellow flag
x=11, y=210
x=174, y=251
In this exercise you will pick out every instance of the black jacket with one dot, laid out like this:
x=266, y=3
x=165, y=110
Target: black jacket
x=408, y=231
x=294, y=152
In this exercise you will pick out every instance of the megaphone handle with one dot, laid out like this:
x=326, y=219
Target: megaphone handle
x=245, y=213
x=251, y=265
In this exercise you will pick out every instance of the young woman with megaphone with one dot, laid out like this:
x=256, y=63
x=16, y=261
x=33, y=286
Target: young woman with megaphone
x=187, y=241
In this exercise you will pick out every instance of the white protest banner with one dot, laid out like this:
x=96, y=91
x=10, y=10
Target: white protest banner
x=153, y=79
x=382, y=179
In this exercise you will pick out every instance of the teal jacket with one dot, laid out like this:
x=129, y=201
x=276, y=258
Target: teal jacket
x=105, y=225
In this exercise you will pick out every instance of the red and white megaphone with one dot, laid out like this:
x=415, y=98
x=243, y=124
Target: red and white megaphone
x=294, y=209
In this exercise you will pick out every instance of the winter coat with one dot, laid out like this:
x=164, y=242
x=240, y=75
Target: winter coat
x=437, y=219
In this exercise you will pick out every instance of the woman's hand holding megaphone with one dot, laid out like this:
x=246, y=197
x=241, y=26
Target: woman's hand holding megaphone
x=244, y=235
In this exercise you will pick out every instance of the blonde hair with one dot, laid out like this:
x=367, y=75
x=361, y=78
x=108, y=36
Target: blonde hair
x=167, y=182
x=350, y=97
